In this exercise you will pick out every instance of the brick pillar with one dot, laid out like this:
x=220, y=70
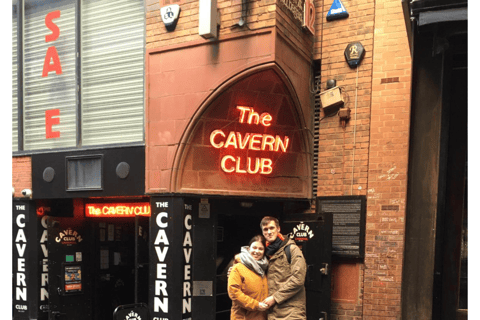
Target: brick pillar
x=370, y=155
x=21, y=174
x=388, y=163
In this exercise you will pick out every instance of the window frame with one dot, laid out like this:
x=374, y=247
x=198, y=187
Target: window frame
x=78, y=79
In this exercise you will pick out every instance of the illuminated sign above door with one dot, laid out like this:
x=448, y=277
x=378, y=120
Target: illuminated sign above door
x=117, y=210
x=249, y=141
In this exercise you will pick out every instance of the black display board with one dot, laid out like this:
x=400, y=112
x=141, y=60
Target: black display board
x=25, y=264
x=348, y=234
x=136, y=311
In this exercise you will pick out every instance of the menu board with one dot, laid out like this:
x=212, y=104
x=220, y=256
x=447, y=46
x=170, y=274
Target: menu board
x=348, y=231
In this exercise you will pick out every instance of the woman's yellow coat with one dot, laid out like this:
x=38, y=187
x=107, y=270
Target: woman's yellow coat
x=246, y=289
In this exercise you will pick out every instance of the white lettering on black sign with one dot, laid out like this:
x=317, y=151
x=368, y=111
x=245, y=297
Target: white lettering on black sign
x=44, y=263
x=162, y=204
x=21, y=246
x=161, y=245
x=187, y=253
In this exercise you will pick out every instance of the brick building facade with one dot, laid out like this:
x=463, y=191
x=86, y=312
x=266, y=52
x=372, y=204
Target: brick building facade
x=264, y=60
x=370, y=155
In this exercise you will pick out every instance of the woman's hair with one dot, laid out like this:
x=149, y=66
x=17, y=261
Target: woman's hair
x=258, y=238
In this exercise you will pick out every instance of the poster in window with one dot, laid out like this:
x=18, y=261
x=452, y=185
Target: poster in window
x=73, y=279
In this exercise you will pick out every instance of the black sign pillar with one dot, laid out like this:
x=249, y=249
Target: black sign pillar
x=204, y=238
x=42, y=256
x=25, y=260
x=170, y=259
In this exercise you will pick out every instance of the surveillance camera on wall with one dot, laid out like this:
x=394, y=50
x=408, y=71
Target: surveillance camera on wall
x=27, y=193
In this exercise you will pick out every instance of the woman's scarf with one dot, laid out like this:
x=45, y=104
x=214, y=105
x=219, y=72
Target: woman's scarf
x=247, y=260
x=274, y=246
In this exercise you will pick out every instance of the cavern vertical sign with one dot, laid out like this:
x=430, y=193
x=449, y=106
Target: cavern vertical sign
x=24, y=256
x=187, y=262
x=43, y=261
x=160, y=266
x=171, y=254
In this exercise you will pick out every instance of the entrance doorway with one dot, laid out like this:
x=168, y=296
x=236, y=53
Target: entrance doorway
x=95, y=265
x=120, y=247
x=238, y=222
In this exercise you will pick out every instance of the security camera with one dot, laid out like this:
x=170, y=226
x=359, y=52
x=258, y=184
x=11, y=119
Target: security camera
x=13, y=192
x=27, y=193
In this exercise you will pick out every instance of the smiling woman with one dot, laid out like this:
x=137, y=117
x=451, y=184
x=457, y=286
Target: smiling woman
x=247, y=284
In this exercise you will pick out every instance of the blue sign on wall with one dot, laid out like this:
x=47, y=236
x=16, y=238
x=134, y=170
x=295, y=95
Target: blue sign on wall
x=337, y=11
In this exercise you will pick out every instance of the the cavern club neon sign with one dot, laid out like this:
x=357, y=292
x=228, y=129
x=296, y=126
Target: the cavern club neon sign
x=249, y=141
x=102, y=210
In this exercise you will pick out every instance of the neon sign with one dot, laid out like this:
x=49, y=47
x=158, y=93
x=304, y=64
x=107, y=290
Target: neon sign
x=250, y=141
x=101, y=210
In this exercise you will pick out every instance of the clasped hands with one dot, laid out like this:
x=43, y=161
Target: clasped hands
x=266, y=304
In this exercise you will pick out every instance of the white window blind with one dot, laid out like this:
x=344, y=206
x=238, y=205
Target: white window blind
x=55, y=91
x=112, y=60
x=14, y=80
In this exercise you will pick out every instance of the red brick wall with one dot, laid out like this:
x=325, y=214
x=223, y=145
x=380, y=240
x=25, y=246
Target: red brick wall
x=367, y=157
x=338, y=173
x=174, y=78
x=21, y=174
x=388, y=163
x=377, y=134
x=261, y=14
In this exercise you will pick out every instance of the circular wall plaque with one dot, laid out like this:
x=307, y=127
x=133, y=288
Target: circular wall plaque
x=48, y=174
x=354, y=54
x=123, y=169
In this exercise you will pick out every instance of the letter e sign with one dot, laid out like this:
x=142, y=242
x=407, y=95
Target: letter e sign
x=50, y=121
x=309, y=16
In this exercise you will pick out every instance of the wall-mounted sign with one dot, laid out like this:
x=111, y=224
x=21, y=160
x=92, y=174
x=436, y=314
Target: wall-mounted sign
x=348, y=232
x=337, y=11
x=354, y=54
x=69, y=237
x=249, y=141
x=302, y=233
x=309, y=16
x=170, y=15
x=101, y=210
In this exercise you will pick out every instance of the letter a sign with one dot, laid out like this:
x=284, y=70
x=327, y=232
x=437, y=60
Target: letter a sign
x=309, y=16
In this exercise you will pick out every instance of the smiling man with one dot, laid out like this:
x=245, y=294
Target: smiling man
x=286, y=279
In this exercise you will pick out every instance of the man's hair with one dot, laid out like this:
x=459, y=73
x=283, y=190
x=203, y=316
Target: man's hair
x=266, y=220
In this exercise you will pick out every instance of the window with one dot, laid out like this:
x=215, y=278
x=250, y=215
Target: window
x=14, y=79
x=84, y=173
x=82, y=65
x=112, y=71
x=49, y=95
